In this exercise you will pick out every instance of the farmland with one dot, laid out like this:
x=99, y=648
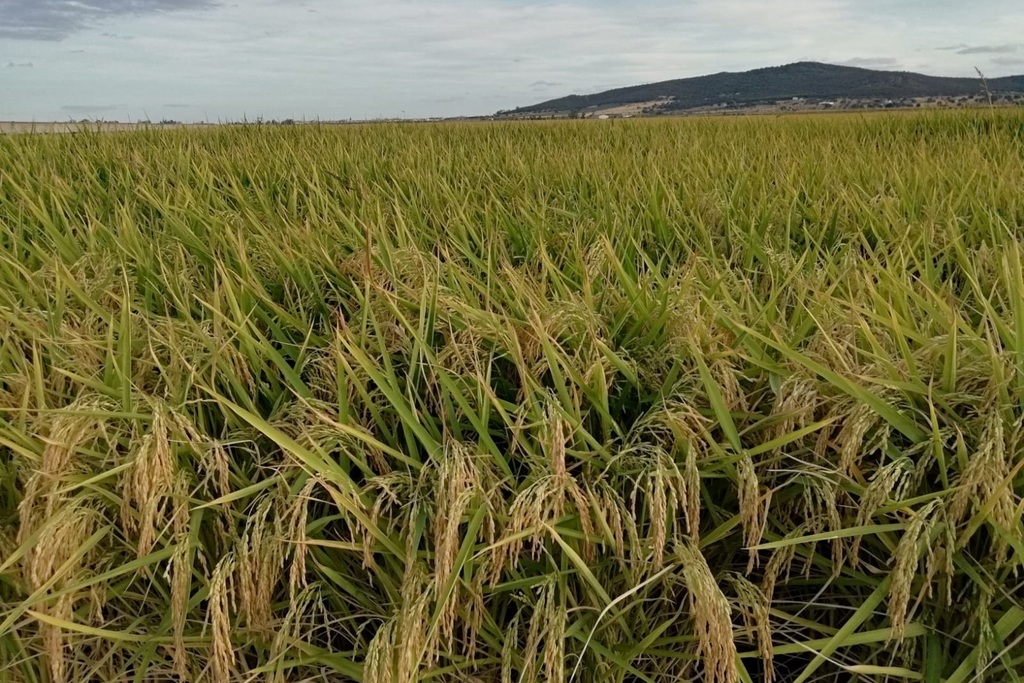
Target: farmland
x=649, y=400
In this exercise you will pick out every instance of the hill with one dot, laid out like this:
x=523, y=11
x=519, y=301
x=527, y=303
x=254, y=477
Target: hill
x=810, y=80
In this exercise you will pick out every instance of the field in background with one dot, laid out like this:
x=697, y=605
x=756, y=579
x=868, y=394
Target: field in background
x=22, y=127
x=703, y=399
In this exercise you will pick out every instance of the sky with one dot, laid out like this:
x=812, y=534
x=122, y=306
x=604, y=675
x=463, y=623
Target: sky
x=220, y=60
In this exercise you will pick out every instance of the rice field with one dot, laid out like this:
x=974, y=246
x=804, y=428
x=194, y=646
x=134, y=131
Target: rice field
x=708, y=400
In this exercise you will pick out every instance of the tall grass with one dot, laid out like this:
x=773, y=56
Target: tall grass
x=717, y=400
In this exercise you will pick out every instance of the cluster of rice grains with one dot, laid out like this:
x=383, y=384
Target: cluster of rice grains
x=714, y=400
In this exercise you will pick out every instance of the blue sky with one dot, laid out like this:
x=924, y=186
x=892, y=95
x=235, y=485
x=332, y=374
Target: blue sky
x=223, y=59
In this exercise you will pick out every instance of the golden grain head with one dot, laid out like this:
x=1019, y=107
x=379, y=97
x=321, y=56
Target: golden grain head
x=985, y=484
x=555, y=617
x=415, y=644
x=889, y=483
x=711, y=614
x=851, y=437
x=380, y=655
x=906, y=561
x=180, y=572
x=71, y=430
x=780, y=565
x=297, y=522
x=223, y=600
x=147, y=487
x=753, y=506
x=795, y=404
x=260, y=560
x=755, y=607
x=509, y=648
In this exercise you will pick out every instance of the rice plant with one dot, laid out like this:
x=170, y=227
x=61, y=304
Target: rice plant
x=654, y=400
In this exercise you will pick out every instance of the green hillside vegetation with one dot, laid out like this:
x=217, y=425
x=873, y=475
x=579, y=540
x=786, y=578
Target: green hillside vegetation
x=709, y=399
x=803, y=79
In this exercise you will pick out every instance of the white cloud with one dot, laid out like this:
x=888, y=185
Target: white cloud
x=1016, y=62
x=883, y=63
x=56, y=19
x=987, y=49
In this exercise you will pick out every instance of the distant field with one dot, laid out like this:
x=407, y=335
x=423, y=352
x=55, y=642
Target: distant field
x=10, y=127
x=654, y=400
